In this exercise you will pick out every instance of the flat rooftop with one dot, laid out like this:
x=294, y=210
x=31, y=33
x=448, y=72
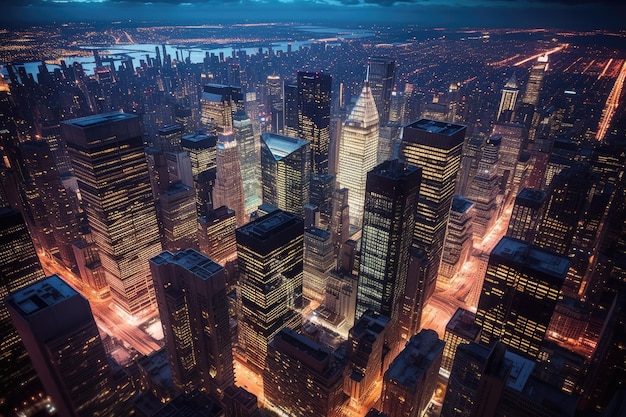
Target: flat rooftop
x=192, y=260
x=99, y=119
x=268, y=225
x=462, y=324
x=41, y=295
x=532, y=257
x=415, y=359
x=461, y=204
x=436, y=126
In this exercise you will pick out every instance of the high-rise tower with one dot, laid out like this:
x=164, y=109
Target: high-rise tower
x=248, y=148
x=62, y=339
x=218, y=104
x=508, y=99
x=314, y=89
x=19, y=267
x=270, y=263
x=228, y=182
x=285, y=172
x=390, y=201
x=485, y=188
x=535, y=79
x=521, y=288
x=193, y=305
x=381, y=72
x=435, y=147
x=110, y=166
x=357, y=152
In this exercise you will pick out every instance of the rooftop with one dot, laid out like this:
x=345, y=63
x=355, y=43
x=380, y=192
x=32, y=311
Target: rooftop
x=435, y=126
x=461, y=204
x=192, y=260
x=268, y=225
x=41, y=295
x=281, y=146
x=532, y=257
x=99, y=119
x=415, y=360
x=462, y=324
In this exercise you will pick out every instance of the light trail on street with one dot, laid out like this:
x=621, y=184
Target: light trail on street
x=612, y=103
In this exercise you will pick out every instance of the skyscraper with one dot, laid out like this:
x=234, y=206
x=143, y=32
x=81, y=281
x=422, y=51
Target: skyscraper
x=411, y=379
x=216, y=234
x=357, y=152
x=381, y=71
x=485, y=189
x=19, y=267
x=202, y=151
x=535, y=79
x=521, y=288
x=108, y=159
x=62, y=339
x=390, y=201
x=526, y=214
x=512, y=138
x=193, y=305
x=314, y=94
x=270, y=263
x=228, y=189
x=508, y=99
x=461, y=329
x=459, y=237
x=285, y=172
x=248, y=148
x=303, y=377
x=435, y=147
x=218, y=104
x=318, y=262
x=177, y=212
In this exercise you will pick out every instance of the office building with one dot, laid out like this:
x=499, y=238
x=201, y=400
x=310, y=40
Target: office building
x=381, y=72
x=508, y=100
x=302, y=377
x=168, y=138
x=411, y=379
x=535, y=80
x=526, y=213
x=108, y=159
x=179, y=167
x=290, y=108
x=274, y=102
x=177, y=212
x=512, y=139
x=461, y=329
x=19, y=267
x=155, y=375
x=285, y=172
x=248, y=149
x=520, y=291
x=357, y=152
x=390, y=202
x=218, y=104
x=319, y=260
x=90, y=268
x=240, y=403
x=485, y=188
x=270, y=264
x=340, y=219
x=202, y=151
x=56, y=205
x=365, y=354
x=228, y=189
x=216, y=235
x=193, y=305
x=58, y=329
x=435, y=147
x=459, y=237
x=337, y=311
x=314, y=99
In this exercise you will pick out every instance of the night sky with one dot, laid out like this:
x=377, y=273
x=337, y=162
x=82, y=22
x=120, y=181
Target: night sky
x=563, y=14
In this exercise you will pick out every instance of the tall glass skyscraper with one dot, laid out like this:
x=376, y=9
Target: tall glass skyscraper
x=357, y=152
x=108, y=158
x=270, y=263
x=391, y=198
x=248, y=148
x=434, y=146
x=285, y=172
x=381, y=72
x=314, y=99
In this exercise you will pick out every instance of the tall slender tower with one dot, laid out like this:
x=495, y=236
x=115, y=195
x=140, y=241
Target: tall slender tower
x=435, y=147
x=381, y=77
x=357, y=152
x=202, y=151
x=270, y=263
x=535, y=79
x=314, y=89
x=228, y=183
x=193, y=305
x=285, y=172
x=248, y=147
x=19, y=267
x=110, y=166
x=485, y=188
x=508, y=99
x=62, y=339
x=388, y=222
